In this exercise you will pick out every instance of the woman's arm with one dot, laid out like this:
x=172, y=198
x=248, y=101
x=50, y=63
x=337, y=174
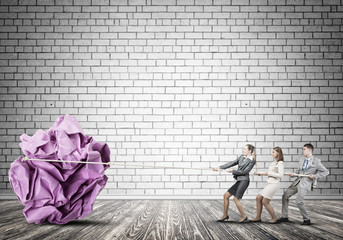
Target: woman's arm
x=230, y=164
x=245, y=171
x=280, y=169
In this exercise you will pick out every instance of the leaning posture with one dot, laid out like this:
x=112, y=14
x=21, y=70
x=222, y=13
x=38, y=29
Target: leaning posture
x=312, y=166
x=245, y=163
x=275, y=173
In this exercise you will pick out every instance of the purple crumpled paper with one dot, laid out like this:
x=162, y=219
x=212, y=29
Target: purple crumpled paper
x=55, y=192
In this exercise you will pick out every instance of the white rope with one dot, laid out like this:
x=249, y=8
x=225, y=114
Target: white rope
x=143, y=165
x=117, y=164
x=298, y=175
x=304, y=175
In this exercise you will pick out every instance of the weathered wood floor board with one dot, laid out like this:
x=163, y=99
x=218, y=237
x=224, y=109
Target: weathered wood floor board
x=177, y=219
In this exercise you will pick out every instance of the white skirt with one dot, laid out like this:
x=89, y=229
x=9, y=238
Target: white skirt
x=269, y=190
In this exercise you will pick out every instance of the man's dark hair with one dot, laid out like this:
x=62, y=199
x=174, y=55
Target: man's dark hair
x=309, y=146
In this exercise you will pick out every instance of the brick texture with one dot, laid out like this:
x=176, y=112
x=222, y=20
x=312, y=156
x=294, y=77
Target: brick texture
x=177, y=83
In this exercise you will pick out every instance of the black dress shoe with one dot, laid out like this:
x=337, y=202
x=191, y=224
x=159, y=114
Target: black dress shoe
x=223, y=220
x=306, y=222
x=244, y=221
x=282, y=220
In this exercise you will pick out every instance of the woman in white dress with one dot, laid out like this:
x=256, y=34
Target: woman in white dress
x=275, y=173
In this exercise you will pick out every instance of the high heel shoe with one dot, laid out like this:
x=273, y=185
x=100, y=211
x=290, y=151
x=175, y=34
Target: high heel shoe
x=223, y=220
x=276, y=222
x=255, y=221
x=245, y=220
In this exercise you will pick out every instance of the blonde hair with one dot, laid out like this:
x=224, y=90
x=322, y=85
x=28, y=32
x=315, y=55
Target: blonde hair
x=253, y=150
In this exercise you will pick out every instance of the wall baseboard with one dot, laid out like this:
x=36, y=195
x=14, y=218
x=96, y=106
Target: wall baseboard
x=166, y=197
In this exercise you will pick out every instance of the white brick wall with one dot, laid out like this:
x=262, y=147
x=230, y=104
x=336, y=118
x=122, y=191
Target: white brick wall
x=176, y=83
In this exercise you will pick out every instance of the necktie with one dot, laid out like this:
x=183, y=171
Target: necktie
x=305, y=164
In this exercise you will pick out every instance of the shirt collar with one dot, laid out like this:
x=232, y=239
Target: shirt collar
x=250, y=157
x=309, y=159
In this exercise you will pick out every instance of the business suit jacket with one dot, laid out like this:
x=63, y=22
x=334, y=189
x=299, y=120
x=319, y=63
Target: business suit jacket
x=244, y=167
x=314, y=167
x=275, y=172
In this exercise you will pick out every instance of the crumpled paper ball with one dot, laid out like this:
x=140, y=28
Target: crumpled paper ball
x=59, y=192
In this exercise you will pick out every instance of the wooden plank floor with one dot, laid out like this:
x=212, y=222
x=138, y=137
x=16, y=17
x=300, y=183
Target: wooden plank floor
x=176, y=219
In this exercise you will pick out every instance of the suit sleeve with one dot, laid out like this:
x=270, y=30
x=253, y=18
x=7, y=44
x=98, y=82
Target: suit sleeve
x=229, y=164
x=322, y=171
x=245, y=171
x=280, y=169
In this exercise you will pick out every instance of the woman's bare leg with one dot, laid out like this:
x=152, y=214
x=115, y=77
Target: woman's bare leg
x=227, y=196
x=259, y=207
x=270, y=209
x=240, y=208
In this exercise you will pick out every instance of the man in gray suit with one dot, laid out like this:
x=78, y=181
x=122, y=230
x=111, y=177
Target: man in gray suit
x=311, y=166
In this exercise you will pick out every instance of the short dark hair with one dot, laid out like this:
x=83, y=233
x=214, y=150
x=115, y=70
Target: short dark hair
x=309, y=146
